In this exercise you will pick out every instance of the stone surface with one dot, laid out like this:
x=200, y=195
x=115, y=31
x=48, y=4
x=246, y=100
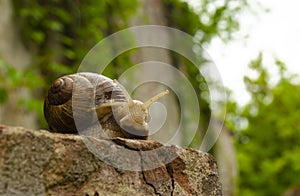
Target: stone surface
x=42, y=163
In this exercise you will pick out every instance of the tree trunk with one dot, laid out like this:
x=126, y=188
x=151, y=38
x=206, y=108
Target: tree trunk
x=152, y=13
x=14, y=53
x=227, y=163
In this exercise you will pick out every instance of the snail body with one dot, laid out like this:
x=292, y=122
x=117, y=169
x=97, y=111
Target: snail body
x=80, y=101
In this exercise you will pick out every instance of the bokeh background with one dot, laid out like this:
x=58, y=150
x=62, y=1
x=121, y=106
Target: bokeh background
x=258, y=149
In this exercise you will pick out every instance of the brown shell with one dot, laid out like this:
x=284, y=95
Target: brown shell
x=72, y=97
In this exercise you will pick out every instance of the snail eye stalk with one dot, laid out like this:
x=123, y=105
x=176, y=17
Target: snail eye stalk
x=148, y=103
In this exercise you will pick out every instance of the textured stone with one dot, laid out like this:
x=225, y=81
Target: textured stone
x=42, y=163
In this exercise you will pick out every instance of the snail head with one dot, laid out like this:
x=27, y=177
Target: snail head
x=135, y=113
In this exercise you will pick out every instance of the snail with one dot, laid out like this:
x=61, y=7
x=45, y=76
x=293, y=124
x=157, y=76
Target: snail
x=80, y=101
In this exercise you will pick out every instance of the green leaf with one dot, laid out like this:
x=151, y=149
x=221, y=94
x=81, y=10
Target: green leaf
x=3, y=95
x=54, y=25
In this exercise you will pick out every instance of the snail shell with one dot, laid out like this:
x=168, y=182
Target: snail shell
x=79, y=101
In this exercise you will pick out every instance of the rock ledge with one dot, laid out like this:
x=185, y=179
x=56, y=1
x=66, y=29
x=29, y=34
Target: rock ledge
x=43, y=163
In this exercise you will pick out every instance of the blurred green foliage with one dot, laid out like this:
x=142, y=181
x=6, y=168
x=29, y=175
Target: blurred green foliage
x=212, y=19
x=268, y=135
x=12, y=79
x=60, y=33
